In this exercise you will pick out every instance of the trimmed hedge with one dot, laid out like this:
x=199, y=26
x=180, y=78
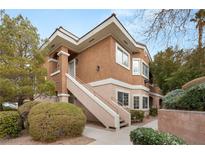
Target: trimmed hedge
x=137, y=115
x=190, y=99
x=193, y=99
x=50, y=121
x=148, y=136
x=171, y=99
x=24, y=111
x=10, y=124
x=153, y=112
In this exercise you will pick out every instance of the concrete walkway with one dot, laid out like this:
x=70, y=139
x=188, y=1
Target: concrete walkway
x=106, y=137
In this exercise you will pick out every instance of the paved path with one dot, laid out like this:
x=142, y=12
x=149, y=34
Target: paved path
x=106, y=137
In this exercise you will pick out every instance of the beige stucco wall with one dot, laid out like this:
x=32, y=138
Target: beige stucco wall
x=109, y=91
x=123, y=74
x=88, y=60
x=103, y=54
x=189, y=125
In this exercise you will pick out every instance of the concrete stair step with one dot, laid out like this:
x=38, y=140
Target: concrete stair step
x=123, y=124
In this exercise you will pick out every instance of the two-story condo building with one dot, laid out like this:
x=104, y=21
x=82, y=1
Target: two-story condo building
x=105, y=72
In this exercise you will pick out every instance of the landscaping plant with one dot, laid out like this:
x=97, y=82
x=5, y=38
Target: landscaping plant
x=50, y=121
x=137, y=115
x=153, y=112
x=10, y=124
x=148, y=136
x=21, y=73
x=24, y=111
x=171, y=99
x=193, y=98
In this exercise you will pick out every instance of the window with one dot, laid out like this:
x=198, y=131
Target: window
x=123, y=98
x=136, y=102
x=122, y=57
x=144, y=102
x=136, y=67
x=145, y=70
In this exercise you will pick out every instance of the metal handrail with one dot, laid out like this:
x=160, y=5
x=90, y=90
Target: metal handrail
x=93, y=91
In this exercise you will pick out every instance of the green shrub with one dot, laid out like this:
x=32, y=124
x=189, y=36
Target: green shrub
x=137, y=115
x=24, y=111
x=10, y=124
x=50, y=121
x=190, y=99
x=148, y=136
x=193, y=98
x=171, y=99
x=153, y=112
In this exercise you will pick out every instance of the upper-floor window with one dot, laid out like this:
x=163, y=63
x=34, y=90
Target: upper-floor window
x=145, y=70
x=122, y=56
x=139, y=67
x=136, y=66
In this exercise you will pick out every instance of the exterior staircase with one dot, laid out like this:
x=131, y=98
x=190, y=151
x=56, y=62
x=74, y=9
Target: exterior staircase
x=108, y=112
x=123, y=123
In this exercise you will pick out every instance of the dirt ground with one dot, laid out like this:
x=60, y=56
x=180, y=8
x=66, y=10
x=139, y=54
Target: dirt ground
x=25, y=139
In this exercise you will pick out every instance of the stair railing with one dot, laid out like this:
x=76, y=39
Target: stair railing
x=92, y=90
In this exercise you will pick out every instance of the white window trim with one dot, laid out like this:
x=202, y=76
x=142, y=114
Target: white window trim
x=147, y=102
x=119, y=46
x=142, y=69
x=140, y=61
x=140, y=102
x=136, y=95
x=123, y=91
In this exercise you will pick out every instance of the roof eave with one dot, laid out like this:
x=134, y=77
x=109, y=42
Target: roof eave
x=112, y=19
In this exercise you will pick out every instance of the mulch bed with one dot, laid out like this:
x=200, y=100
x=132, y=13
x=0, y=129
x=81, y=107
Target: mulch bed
x=25, y=139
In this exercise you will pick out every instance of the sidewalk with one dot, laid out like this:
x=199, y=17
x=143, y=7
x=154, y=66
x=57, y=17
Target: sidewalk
x=106, y=137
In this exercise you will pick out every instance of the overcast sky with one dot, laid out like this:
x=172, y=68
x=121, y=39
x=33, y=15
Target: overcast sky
x=80, y=22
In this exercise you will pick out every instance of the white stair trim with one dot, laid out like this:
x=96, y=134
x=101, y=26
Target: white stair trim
x=97, y=100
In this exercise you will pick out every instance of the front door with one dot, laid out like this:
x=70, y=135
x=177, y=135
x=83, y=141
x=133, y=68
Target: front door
x=71, y=70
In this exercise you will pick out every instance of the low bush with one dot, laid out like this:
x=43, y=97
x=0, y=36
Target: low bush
x=171, y=99
x=153, y=112
x=137, y=115
x=50, y=121
x=193, y=98
x=148, y=136
x=10, y=124
x=24, y=111
x=190, y=99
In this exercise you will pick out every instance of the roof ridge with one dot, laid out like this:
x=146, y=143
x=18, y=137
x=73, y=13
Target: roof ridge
x=68, y=31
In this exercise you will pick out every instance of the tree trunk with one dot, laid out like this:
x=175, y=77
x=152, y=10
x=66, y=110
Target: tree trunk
x=200, y=46
x=1, y=107
x=20, y=101
x=200, y=36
